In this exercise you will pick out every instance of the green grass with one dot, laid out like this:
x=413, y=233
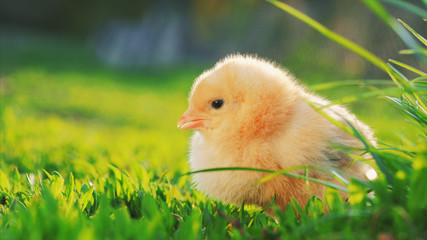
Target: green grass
x=89, y=152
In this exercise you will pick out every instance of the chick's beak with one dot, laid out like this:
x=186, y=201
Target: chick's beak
x=188, y=121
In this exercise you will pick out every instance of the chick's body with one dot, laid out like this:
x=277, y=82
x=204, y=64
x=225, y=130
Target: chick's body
x=250, y=113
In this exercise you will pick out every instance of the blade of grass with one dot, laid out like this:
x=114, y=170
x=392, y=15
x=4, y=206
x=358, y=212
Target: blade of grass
x=420, y=79
x=376, y=7
x=329, y=85
x=412, y=51
x=402, y=83
x=410, y=68
x=409, y=7
x=403, y=79
x=353, y=131
x=270, y=204
x=229, y=169
x=410, y=110
x=330, y=34
x=14, y=199
x=332, y=171
x=332, y=120
x=358, y=97
x=242, y=212
x=340, y=178
x=269, y=171
x=372, y=150
x=418, y=36
x=407, y=51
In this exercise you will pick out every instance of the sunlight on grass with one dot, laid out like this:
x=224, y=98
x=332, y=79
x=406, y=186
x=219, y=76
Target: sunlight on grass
x=46, y=114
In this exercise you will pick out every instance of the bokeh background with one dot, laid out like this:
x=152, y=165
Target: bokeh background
x=167, y=32
x=84, y=83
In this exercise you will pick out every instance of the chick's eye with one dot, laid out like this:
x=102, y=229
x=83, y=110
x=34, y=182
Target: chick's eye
x=217, y=104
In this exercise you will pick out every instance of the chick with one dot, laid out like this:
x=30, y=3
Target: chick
x=247, y=112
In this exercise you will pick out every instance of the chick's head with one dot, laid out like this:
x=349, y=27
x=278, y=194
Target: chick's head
x=241, y=96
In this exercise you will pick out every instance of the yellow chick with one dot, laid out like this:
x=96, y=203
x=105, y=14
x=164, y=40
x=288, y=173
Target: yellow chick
x=247, y=112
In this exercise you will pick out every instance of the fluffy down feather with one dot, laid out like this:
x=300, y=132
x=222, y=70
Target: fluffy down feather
x=247, y=112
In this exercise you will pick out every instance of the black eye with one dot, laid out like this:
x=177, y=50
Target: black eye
x=217, y=104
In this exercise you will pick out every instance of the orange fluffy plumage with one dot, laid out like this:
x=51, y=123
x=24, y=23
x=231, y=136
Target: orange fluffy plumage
x=247, y=112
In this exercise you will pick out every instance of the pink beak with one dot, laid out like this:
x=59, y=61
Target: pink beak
x=189, y=122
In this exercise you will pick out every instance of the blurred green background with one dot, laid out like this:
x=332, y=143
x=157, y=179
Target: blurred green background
x=86, y=83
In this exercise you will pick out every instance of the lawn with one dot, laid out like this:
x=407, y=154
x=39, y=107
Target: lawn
x=91, y=152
